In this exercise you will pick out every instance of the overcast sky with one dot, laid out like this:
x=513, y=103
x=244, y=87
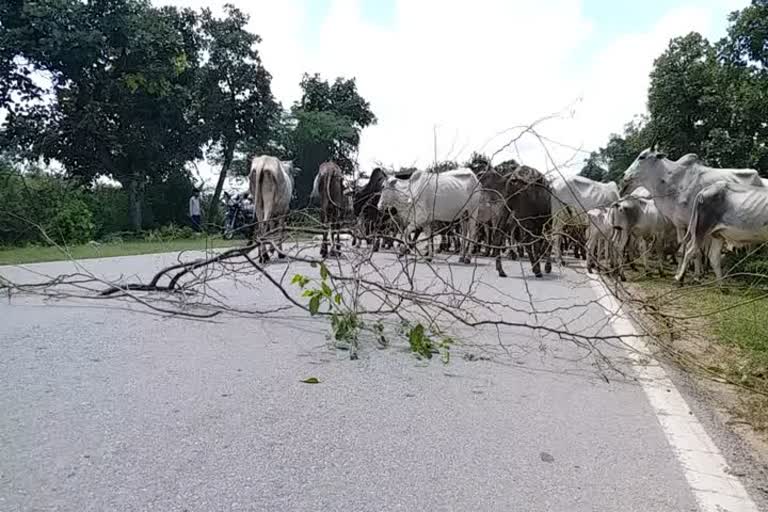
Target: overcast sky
x=474, y=69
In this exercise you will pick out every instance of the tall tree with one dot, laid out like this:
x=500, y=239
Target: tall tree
x=328, y=121
x=684, y=98
x=124, y=82
x=593, y=169
x=236, y=92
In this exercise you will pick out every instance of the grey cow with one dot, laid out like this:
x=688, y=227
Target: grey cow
x=674, y=185
x=725, y=213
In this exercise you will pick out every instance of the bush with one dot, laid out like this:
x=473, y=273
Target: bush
x=747, y=261
x=168, y=233
x=72, y=224
x=109, y=205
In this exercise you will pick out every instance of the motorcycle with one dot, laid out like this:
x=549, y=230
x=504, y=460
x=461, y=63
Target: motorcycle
x=239, y=214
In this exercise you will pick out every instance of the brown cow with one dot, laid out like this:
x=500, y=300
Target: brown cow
x=330, y=187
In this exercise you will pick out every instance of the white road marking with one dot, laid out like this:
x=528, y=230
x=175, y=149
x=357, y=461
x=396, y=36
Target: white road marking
x=704, y=466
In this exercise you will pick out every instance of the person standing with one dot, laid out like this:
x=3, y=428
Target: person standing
x=194, y=209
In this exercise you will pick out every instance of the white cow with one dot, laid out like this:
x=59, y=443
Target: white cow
x=580, y=195
x=637, y=217
x=599, y=232
x=427, y=197
x=729, y=213
x=271, y=186
x=675, y=184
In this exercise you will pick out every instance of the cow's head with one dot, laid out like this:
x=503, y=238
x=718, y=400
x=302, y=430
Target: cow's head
x=647, y=167
x=391, y=195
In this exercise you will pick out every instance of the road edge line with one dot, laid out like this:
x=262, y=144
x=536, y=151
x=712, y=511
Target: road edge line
x=703, y=465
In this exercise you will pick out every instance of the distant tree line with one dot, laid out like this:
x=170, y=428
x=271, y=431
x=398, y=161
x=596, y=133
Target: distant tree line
x=705, y=98
x=125, y=90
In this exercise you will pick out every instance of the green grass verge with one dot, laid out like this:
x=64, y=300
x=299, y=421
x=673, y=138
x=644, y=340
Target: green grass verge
x=738, y=318
x=733, y=325
x=32, y=254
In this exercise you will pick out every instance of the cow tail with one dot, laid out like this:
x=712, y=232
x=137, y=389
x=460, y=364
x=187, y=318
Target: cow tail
x=267, y=208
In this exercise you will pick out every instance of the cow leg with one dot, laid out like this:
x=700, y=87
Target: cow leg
x=264, y=252
x=558, y=240
x=592, y=253
x=680, y=232
x=715, y=253
x=690, y=251
x=534, y=250
x=324, y=245
x=469, y=233
x=642, y=242
x=430, y=241
x=620, y=252
x=283, y=225
x=405, y=246
x=499, y=236
x=659, y=246
x=336, y=226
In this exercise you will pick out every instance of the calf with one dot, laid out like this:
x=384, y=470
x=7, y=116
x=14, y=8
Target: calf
x=638, y=217
x=599, y=232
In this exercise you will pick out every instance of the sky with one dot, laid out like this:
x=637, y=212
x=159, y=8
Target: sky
x=446, y=78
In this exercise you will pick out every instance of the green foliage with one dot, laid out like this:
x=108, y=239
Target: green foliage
x=33, y=201
x=72, y=223
x=347, y=325
x=704, y=98
x=478, y=162
x=125, y=80
x=707, y=99
x=325, y=125
x=168, y=233
x=446, y=165
x=592, y=168
x=236, y=96
x=425, y=344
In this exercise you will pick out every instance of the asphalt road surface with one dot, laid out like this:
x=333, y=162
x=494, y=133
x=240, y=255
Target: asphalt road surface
x=108, y=408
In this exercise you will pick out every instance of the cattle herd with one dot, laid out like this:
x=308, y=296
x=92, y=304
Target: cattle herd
x=665, y=206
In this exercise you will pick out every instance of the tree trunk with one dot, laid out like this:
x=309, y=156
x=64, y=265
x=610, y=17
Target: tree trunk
x=229, y=152
x=135, y=198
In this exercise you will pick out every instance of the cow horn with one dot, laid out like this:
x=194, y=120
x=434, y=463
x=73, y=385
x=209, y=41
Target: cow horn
x=654, y=144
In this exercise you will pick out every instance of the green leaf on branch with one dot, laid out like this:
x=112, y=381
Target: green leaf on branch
x=314, y=304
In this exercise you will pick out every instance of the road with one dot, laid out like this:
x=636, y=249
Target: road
x=109, y=408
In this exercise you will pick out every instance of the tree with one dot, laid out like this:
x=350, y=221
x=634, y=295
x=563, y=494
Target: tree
x=326, y=125
x=237, y=98
x=684, y=98
x=592, y=168
x=124, y=81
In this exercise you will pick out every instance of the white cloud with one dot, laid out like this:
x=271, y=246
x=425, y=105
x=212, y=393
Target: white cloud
x=472, y=69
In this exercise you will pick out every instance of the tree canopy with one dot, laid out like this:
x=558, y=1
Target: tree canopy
x=133, y=92
x=704, y=98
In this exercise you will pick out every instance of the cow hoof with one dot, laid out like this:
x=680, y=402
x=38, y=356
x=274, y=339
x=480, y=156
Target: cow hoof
x=590, y=270
x=281, y=255
x=548, y=267
x=538, y=275
x=502, y=273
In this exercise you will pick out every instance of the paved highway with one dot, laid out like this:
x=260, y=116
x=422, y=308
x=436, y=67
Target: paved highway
x=108, y=408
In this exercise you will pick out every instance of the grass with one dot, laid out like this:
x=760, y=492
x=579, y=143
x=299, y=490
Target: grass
x=727, y=333
x=37, y=254
x=738, y=318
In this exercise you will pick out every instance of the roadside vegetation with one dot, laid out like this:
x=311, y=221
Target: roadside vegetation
x=720, y=333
